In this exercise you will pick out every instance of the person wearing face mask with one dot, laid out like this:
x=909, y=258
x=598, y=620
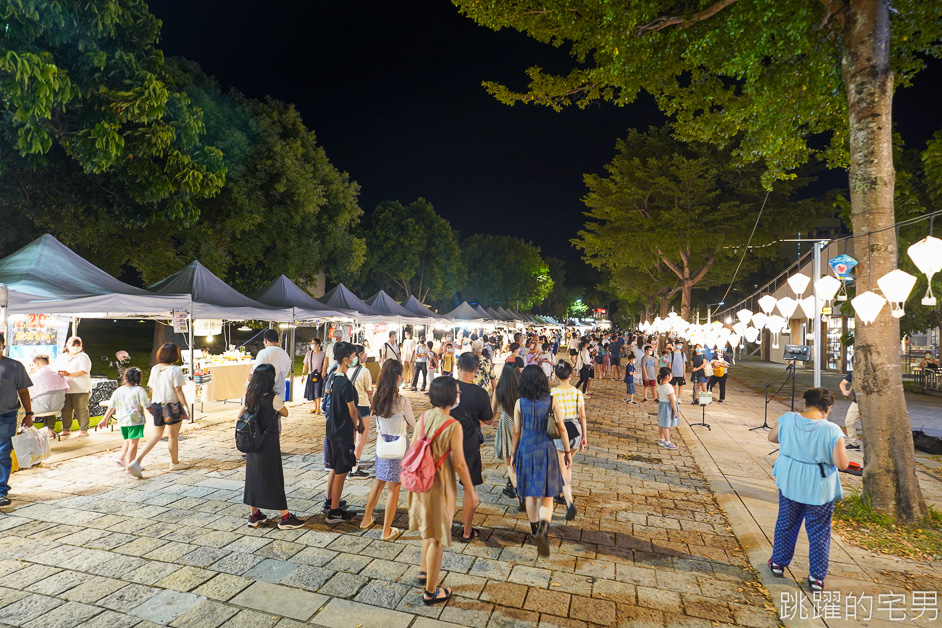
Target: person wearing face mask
x=720, y=372
x=14, y=391
x=697, y=372
x=314, y=363
x=75, y=366
x=343, y=421
x=363, y=384
x=649, y=368
x=806, y=474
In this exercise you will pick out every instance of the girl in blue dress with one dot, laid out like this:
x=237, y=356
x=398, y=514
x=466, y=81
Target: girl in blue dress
x=812, y=452
x=534, y=454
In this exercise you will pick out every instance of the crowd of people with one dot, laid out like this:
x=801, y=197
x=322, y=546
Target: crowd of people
x=539, y=414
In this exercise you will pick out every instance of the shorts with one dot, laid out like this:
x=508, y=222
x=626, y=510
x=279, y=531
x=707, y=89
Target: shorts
x=341, y=457
x=616, y=361
x=678, y=381
x=700, y=379
x=157, y=410
x=132, y=432
x=473, y=459
x=600, y=359
x=631, y=386
x=363, y=410
x=650, y=383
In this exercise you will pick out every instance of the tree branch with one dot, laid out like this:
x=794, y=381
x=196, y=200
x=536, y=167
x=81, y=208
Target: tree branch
x=672, y=266
x=703, y=271
x=833, y=8
x=679, y=20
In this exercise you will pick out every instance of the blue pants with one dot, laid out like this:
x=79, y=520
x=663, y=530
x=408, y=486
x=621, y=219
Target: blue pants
x=818, y=525
x=7, y=432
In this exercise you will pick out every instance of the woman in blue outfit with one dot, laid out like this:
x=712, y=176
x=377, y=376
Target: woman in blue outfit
x=812, y=452
x=534, y=455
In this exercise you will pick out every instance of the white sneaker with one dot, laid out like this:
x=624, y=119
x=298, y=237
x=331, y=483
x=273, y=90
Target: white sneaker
x=135, y=469
x=661, y=442
x=179, y=466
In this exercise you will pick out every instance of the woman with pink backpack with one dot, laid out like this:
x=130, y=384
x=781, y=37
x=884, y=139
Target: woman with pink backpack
x=428, y=471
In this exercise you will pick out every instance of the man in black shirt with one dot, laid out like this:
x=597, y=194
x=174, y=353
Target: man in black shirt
x=343, y=420
x=472, y=409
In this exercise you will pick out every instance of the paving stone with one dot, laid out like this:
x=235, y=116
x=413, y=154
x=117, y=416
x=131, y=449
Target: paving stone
x=8, y=596
x=338, y=614
x=280, y=550
x=351, y=563
x=343, y=584
x=425, y=622
x=308, y=578
x=166, y=606
x=706, y=608
x=531, y=576
x=206, y=614
x=552, y=602
x=314, y=556
x=117, y=566
x=111, y=619
x=280, y=600
x=658, y=599
x=150, y=573
x=491, y=569
x=174, y=552
x=92, y=589
x=465, y=585
x=130, y=597
x=595, y=611
x=504, y=594
x=504, y=617
x=186, y=579
x=222, y=587
x=467, y=612
x=385, y=569
x=252, y=619
x=68, y=615
x=23, y=611
x=236, y=563
x=30, y=574
x=382, y=593
x=271, y=570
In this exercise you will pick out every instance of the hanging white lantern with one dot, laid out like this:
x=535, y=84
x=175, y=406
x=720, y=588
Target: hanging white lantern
x=759, y=319
x=868, y=306
x=927, y=256
x=752, y=334
x=734, y=340
x=775, y=325
x=807, y=306
x=739, y=328
x=787, y=306
x=896, y=286
x=767, y=303
x=716, y=326
x=826, y=287
x=799, y=283
x=744, y=316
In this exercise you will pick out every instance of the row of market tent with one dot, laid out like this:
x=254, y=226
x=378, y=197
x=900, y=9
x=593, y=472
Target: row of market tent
x=48, y=277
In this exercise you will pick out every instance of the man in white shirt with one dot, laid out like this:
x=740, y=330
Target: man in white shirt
x=337, y=336
x=408, y=352
x=75, y=366
x=276, y=356
x=390, y=349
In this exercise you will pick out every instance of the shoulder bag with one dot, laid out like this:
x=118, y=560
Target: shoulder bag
x=171, y=412
x=390, y=449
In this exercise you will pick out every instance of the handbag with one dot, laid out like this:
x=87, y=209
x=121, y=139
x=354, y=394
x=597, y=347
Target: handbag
x=573, y=431
x=551, y=430
x=390, y=449
x=171, y=412
x=31, y=447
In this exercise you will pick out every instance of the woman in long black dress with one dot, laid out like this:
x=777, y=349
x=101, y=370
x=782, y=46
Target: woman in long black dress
x=264, y=476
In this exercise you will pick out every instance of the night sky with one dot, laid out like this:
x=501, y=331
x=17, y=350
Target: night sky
x=393, y=92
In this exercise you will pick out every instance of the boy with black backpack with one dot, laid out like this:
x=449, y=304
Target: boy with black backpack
x=343, y=421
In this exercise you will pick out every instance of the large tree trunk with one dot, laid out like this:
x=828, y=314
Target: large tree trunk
x=889, y=478
x=686, y=289
x=160, y=337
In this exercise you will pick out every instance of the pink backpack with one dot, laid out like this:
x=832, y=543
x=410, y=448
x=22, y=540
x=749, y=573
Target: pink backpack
x=418, y=466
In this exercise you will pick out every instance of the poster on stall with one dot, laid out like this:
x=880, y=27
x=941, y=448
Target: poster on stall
x=37, y=334
x=180, y=322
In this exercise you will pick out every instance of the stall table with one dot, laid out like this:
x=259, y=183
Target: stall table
x=228, y=381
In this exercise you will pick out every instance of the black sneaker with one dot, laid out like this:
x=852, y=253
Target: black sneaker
x=571, y=512
x=339, y=516
x=290, y=523
x=509, y=491
x=343, y=504
x=854, y=447
x=541, y=539
x=5, y=501
x=257, y=520
x=359, y=473
x=559, y=500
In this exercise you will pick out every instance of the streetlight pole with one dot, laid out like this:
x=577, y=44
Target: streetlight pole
x=710, y=310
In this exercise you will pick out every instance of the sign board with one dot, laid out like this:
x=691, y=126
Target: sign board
x=826, y=311
x=180, y=322
x=38, y=334
x=705, y=398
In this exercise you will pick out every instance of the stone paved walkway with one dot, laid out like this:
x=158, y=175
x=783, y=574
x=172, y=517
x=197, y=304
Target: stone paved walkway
x=86, y=545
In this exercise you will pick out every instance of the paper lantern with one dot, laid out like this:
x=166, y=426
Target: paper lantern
x=758, y=319
x=752, y=334
x=775, y=325
x=826, y=287
x=807, y=306
x=799, y=283
x=739, y=328
x=896, y=286
x=787, y=306
x=868, y=306
x=744, y=316
x=767, y=303
x=927, y=256
x=734, y=340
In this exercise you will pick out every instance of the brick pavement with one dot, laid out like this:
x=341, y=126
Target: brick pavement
x=86, y=545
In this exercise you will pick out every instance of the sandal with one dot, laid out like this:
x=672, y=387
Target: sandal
x=394, y=533
x=366, y=524
x=433, y=598
x=468, y=539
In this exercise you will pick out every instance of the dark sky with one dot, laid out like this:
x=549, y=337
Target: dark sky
x=393, y=91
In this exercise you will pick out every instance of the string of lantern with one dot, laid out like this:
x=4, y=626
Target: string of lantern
x=774, y=314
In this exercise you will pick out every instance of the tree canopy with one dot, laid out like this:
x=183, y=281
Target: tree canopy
x=507, y=271
x=415, y=250
x=85, y=92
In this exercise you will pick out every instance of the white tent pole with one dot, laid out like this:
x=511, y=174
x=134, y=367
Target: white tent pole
x=192, y=366
x=294, y=326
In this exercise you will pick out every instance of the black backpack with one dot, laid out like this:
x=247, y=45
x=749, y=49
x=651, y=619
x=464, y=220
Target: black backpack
x=328, y=382
x=249, y=436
